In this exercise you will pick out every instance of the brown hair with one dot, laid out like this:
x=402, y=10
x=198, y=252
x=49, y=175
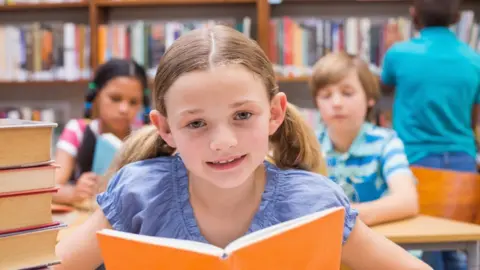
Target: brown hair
x=435, y=13
x=333, y=67
x=294, y=144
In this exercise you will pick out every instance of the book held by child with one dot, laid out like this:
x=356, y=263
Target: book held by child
x=310, y=242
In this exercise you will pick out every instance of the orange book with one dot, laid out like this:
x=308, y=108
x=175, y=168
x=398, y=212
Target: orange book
x=309, y=242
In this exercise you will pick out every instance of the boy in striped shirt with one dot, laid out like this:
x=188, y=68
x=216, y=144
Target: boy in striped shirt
x=368, y=161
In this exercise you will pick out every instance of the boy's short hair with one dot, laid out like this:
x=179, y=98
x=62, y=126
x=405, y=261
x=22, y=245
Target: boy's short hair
x=436, y=12
x=333, y=67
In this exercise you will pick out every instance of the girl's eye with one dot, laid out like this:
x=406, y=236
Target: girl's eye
x=134, y=102
x=196, y=124
x=243, y=116
x=115, y=98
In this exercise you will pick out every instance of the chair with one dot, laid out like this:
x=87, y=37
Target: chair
x=448, y=194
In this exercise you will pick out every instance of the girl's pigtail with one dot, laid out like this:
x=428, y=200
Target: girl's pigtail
x=295, y=145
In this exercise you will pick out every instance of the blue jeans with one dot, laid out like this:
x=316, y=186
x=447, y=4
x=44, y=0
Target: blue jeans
x=456, y=161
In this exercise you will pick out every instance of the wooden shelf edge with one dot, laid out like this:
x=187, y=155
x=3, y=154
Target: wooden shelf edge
x=42, y=83
x=42, y=6
x=140, y=3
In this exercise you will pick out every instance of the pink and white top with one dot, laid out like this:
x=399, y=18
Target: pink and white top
x=72, y=135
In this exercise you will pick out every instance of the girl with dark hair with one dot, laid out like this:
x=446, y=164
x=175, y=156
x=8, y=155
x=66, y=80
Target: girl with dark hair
x=113, y=101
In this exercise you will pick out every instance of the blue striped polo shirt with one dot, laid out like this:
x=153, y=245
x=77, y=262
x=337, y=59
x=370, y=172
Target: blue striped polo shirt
x=375, y=155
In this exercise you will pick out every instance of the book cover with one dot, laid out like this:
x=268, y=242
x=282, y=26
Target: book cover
x=310, y=242
x=106, y=148
x=30, y=248
x=25, y=209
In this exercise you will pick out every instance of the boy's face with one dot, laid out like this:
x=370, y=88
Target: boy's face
x=343, y=106
x=219, y=121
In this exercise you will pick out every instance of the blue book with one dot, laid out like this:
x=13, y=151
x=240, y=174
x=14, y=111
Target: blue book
x=106, y=148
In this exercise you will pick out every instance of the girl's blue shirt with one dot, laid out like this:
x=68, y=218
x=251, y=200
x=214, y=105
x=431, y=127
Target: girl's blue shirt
x=151, y=197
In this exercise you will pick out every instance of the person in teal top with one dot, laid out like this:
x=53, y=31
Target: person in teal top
x=436, y=80
x=203, y=170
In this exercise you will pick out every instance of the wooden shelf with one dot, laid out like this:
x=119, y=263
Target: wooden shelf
x=140, y=3
x=42, y=83
x=44, y=6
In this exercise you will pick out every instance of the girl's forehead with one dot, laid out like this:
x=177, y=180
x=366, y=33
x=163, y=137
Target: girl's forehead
x=219, y=85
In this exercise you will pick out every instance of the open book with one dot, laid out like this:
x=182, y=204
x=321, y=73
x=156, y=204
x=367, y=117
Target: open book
x=309, y=242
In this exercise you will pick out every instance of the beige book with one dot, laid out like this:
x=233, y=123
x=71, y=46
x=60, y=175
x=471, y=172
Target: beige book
x=28, y=178
x=25, y=143
x=29, y=249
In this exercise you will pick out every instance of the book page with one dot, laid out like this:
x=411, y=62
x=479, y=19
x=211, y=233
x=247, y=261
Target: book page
x=125, y=251
x=311, y=246
x=167, y=242
x=276, y=229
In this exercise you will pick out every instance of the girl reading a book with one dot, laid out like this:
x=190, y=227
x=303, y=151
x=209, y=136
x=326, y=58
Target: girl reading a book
x=200, y=172
x=114, y=99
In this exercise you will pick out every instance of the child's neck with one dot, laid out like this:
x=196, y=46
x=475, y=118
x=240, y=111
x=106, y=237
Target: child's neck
x=222, y=202
x=342, y=140
x=106, y=129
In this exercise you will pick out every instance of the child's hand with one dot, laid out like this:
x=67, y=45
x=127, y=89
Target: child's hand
x=86, y=187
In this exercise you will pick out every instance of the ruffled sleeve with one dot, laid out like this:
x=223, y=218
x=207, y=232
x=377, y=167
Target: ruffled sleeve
x=135, y=192
x=301, y=193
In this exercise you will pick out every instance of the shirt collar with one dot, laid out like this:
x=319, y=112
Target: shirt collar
x=436, y=31
x=355, y=147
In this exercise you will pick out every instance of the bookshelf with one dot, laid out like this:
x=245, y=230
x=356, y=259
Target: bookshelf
x=95, y=13
x=98, y=12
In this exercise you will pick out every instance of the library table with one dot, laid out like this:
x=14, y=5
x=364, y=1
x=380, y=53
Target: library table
x=431, y=233
x=418, y=233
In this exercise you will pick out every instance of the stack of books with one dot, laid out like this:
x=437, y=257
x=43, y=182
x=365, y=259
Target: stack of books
x=28, y=233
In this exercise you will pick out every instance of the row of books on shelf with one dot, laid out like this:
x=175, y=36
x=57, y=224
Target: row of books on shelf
x=28, y=232
x=146, y=41
x=61, y=51
x=28, y=113
x=45, y=52
x=295, y=44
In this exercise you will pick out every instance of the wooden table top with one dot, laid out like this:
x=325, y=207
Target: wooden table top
x=427, y=229
x=420, y=229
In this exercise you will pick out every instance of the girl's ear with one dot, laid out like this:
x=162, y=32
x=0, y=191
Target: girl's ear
x=163, y=129
x=278, y=108
x=371, y=103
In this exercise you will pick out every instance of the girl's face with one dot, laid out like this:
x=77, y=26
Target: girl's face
x=343, y=106
x=220, y=121
x=119, y=102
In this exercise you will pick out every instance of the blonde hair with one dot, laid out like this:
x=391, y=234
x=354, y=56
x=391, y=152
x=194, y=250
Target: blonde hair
x=294, y=144
x=335, y=66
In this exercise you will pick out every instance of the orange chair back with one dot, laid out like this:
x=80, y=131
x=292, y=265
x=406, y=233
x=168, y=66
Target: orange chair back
x=448, y=194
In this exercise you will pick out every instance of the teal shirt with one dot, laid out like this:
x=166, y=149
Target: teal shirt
x=437, y=79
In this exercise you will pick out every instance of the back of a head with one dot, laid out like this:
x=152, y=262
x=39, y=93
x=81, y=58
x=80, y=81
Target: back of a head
x=431, y=13
x=294, y=143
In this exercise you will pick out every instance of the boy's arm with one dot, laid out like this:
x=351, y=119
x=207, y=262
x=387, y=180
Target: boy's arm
x=402, y=199
x=387, y=77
